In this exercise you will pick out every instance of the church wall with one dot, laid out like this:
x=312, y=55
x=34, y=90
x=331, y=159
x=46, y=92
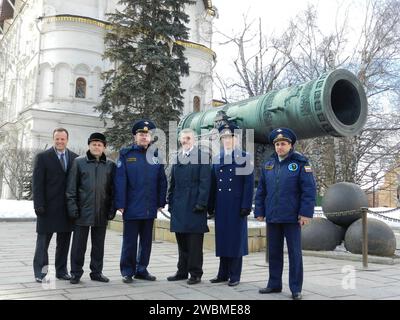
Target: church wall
x=38, y=86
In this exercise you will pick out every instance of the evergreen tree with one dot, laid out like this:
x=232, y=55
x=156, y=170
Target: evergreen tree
x=148, y=64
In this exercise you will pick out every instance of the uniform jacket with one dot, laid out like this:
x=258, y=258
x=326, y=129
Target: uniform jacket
x=286, y=189
x=90, y=191
x=189, y=186
x=140, y=186
x=48, y=184
x=231, y=192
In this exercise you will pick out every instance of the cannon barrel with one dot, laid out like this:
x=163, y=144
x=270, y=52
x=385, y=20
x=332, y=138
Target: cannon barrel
x=334, y=104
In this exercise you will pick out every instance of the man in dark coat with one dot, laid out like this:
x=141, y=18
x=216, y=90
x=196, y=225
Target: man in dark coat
x=285, y=197
x=140, y=190
x=48, y=184
x=231, y=197
x=187, y=200
x=90, y=205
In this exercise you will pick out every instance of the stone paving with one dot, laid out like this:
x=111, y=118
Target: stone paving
x=324, y=278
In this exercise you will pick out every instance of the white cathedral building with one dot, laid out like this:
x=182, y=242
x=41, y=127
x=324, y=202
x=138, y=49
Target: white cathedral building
x=51, y=61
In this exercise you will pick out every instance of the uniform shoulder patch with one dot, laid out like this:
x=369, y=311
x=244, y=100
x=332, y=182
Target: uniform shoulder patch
x=269, y=165
x=308, y=169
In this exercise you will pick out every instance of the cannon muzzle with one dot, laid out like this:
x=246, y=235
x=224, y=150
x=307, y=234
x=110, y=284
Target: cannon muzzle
x=334, y=104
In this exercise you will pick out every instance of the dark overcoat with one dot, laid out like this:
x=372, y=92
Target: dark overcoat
x=189, y=186
x=90, y=191
x=231, y=191
x=48, y=185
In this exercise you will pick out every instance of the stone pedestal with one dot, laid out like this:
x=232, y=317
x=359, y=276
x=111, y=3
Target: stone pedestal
x=256, y=234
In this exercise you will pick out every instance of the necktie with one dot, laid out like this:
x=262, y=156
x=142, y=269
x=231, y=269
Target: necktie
x=62, y=161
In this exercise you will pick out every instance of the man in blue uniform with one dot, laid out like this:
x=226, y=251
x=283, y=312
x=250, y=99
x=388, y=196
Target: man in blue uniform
x=231, y=200
x=140, y=190
x=285, y=197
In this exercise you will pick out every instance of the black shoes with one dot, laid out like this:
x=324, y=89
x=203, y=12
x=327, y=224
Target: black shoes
x=64, y=277
x=127, y=279
x=177, y=277
x=297, y=296
x=233, y=283
x=95, y=277
x=99, y=277
x=269, y=290
x=218, y=280
x=194, y=280
x=147, y=277
x=230, y=283
x=74, y=280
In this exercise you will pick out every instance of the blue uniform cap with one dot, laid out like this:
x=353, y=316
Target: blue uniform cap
x=143, y=126
x=228, y=129
x=282, y=134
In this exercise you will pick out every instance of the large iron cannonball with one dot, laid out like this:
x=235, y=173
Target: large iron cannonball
x=381, y=238
x=344, y=196
x=321, y=235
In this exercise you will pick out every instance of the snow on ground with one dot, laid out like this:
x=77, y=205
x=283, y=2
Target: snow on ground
x=252, y=223
x=14, y=209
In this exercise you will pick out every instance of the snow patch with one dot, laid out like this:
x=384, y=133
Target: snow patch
x=16, y=209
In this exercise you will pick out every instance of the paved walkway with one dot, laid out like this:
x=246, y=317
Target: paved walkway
x=324, y=278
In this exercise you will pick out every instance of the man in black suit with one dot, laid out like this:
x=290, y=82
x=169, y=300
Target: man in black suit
x=49, y=201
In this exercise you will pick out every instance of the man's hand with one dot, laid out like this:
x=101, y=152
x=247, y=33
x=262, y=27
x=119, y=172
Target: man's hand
x=260, y=219
x=40, y=211
x=121, y=210
x=199, y=209
x=303, y=221
x=244, y=212
x=111, y=215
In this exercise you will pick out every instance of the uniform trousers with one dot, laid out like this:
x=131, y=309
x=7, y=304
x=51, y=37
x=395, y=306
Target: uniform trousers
x=276, y=233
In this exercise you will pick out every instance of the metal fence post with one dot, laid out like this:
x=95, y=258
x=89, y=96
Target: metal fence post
x=364, y=212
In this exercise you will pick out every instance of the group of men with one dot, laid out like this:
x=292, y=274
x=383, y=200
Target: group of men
x=72, y=193
x=79, y=194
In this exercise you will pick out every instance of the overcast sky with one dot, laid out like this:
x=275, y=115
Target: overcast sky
x=275, y=16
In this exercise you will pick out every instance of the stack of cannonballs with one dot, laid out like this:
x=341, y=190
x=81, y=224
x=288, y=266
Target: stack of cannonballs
x=325, y=234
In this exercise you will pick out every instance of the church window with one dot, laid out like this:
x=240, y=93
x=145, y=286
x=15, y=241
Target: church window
x=196, y=104
x=80, y=89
